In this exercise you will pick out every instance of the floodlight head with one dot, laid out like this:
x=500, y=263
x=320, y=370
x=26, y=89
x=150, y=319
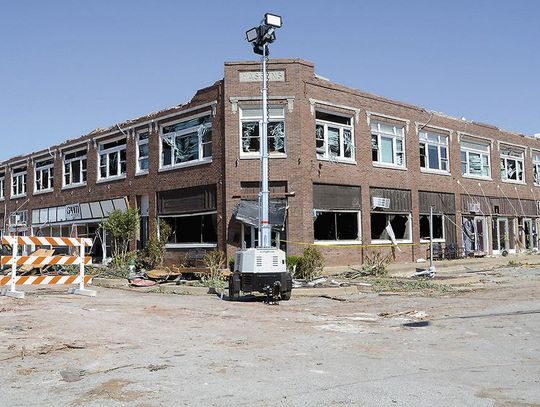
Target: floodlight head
x=272, y=20
x=252, y=34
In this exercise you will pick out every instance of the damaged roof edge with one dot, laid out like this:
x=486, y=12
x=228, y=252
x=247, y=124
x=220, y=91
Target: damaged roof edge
x=326, y=82
x=127, y=124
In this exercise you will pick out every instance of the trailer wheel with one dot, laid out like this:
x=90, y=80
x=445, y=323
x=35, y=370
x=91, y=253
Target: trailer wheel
x=285, y=295
x=234, y=290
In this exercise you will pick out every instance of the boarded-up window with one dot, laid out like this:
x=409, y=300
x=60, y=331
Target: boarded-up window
x=336, y=197
x=400, y=200
x=187, y=200
x=441, y=202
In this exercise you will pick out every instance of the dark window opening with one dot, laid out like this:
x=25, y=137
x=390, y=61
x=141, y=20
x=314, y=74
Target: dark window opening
x=334, y=118
x=336, y=226
x=192, y=229
x=384, y=224
x=437, y=227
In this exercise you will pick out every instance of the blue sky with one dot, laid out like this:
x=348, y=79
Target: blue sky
x=69, y=67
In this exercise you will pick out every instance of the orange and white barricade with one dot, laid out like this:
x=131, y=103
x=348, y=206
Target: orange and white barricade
x=15, y=260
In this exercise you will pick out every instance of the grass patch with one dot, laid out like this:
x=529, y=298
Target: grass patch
x=402, y=285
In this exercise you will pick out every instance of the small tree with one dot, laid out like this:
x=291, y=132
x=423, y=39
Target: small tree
x=214, y=260
x=311, y=264
x=121, y=226
x=155, y=250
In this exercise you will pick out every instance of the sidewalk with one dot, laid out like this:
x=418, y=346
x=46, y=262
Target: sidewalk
x=449, y=266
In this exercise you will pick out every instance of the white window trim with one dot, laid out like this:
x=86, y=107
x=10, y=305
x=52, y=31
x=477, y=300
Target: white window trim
x=202, y=160
x=138, y=170
x=112, y=150
x=46, y=168
x=536, y=163
x=69, y=161
x=327, y=156
x=505, y=157
x=2, y=187
x=394, y=137
x=388, y=241
x=438, y=145
x=257, y=154
x=468, y=150
x=356, y=241
x=20, y=174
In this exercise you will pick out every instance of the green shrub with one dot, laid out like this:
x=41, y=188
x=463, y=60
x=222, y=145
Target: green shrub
x=293, y=263
x=155, y=250
x=376, y=264
x=311, y=265
x=231, y=264
x=214, y=260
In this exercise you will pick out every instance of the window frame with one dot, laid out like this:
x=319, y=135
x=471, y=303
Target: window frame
x=439, y=145
x=274, y=118
x=358, y=240
x=505, y=155
x=471, y=150
x=24, y=184
x=536, y=167
x=139, y=143
x=41, y=170
x=378, y=133
x=108, y=152
x=201, y=158
x=389, y=241
x=341, y=127
x=191, y=245
x=2, y=186
x=83, y=170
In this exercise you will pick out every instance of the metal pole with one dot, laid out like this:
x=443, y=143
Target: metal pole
x=430, y=238
x=81, y=266
x=264, y=222
x=14, y=258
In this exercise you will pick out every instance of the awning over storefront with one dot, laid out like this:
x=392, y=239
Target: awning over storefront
x=247, y=212
x=78, y=213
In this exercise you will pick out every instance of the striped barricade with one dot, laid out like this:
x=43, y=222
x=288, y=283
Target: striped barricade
x=15, y=260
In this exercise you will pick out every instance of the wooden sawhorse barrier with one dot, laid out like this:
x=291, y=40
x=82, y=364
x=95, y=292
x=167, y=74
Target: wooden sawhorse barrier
x=15, y=260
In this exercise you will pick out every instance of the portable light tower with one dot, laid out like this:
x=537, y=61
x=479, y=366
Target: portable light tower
x=263, y=268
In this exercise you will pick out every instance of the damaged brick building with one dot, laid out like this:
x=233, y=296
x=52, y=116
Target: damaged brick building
x=350, y=172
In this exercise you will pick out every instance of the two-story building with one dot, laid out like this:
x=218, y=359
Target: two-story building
x=350, y=172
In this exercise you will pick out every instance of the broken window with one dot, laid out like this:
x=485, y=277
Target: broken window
x=75, y=168
x=387, y=143
x=142, y=152
x=186, y=141
x=438, y=227
x=44, y=177
x=536, y=167
x=192, y=229
x=475, y=159
x=511, y=165
x=390, y=226
x=251, y=125
x=433, y=151
x=18, y=182
x=330, y=225
x=334, y=136
x=112, y=159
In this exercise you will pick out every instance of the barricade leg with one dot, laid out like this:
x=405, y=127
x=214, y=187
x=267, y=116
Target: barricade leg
x=12, y=292
x=81, y=290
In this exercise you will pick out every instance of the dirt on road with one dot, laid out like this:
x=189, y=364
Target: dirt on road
x=478, y=347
